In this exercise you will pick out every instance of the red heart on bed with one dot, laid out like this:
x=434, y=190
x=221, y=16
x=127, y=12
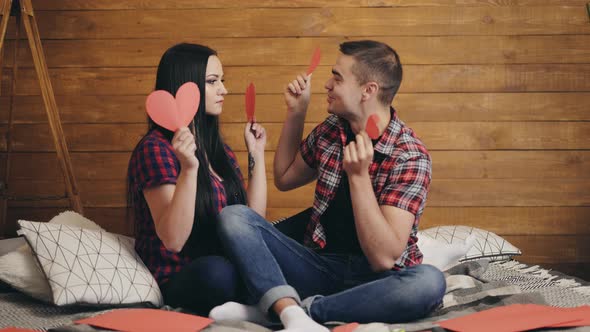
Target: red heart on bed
x=173, y=113
x=346, y=328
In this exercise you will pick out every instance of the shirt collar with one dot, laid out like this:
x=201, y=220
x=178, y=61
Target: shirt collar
x=386, y=144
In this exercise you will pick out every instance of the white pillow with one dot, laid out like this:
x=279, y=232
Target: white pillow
x=10, y=245
x=441, y=254
x=486, y=245
x=89, y=266
x=72, y=218
x=21, y=270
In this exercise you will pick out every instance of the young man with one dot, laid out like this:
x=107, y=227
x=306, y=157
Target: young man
x=360, y=262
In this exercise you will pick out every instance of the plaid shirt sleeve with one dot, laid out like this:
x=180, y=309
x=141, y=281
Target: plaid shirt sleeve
x=156, y=165
x=308, y=147
x=408, y=184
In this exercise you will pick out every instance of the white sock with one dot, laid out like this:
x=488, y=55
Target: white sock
x=238, y=311
x=295, y=319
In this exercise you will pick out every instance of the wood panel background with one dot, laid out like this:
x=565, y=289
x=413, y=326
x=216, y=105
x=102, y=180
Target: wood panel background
x=499, y=90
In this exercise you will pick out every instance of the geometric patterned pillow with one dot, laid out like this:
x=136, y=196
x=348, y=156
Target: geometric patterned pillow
x=487, y=244
x=86, y=266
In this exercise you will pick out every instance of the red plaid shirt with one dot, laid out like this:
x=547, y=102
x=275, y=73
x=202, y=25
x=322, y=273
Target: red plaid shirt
x=154, y=163
x=400, y=174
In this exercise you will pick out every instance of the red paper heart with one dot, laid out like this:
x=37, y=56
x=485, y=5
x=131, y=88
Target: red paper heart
x=372, y=129
x=174, y=113
x=346, y=328
x=144, y=319
x=250, y=102
x=315, y=60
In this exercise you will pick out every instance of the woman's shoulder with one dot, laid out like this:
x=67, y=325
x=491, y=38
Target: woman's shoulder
x=153, y=155
x=153, y=144
x=153, y=140
x=155, y=137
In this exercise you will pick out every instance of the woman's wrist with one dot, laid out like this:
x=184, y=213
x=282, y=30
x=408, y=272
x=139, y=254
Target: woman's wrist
x=191, y=171
x=257, y=155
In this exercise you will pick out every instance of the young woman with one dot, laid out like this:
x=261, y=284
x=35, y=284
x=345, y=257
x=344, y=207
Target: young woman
x=179, y=181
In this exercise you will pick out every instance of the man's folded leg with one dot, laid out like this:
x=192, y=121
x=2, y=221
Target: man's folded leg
x=396, y=297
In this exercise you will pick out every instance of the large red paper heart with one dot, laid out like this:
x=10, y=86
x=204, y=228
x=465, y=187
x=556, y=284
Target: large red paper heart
x=145, y=320
x=174, y=113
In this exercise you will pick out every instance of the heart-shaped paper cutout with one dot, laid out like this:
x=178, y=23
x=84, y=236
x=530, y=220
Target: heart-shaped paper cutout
x=346, y=328
x=372, y=129
x=315, y=60
x=188, y=97
x=250, y=102
x=174, y=113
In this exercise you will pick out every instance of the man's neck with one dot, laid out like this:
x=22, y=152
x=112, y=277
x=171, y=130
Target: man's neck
x=359, y=123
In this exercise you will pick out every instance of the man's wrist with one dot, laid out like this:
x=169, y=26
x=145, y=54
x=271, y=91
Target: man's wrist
x=359, y=178
x=297, y=111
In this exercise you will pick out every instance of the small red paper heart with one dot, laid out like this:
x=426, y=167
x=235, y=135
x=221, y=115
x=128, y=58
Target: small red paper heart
x=174, y=113
x=371, y=128
x=315, y=60
x=250, y=102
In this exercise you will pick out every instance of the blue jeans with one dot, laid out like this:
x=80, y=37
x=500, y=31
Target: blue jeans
x=204, y=283
x=334, y=287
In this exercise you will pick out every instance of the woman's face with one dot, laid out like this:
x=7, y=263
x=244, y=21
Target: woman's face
x=214, y=88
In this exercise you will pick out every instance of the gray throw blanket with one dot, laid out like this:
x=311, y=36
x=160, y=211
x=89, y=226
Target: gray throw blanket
x=471, y=287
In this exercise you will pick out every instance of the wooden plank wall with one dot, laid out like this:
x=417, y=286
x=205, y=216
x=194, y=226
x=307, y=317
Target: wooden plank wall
x=498, y=89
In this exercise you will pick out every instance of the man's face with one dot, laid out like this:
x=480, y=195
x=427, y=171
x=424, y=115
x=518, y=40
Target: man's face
x=344, y=90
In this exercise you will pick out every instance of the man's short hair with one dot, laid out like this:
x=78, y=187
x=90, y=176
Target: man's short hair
x=378, y=62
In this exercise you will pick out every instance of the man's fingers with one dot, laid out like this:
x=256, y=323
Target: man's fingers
x=297, y=86
x=360, y=146
x=347, y=153
x=353, y=152
x=368, y=141
x=302, y=82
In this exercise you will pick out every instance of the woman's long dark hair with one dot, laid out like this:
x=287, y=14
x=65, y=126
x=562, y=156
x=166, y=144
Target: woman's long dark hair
x=188, y=63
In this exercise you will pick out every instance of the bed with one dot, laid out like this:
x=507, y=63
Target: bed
x=473, y=285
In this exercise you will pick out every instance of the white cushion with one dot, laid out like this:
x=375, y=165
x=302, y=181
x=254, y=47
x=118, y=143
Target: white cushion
x=72, y=218
x=441, y=254
x=486, y=245
x=10, y=245
x=19, y=269
x=90, y=266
